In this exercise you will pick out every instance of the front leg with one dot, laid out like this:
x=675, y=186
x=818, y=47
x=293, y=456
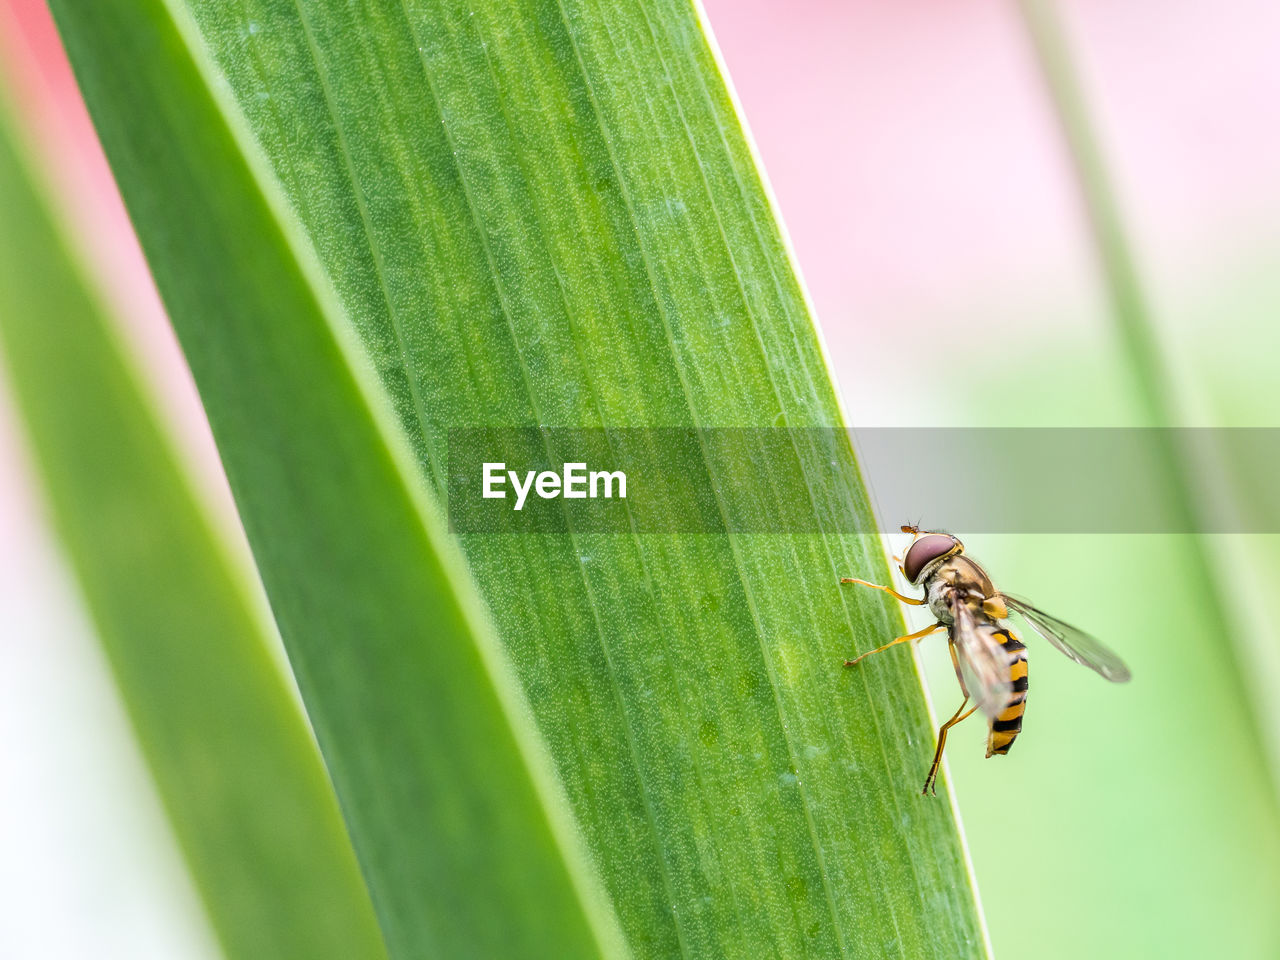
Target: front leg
x=889, y=590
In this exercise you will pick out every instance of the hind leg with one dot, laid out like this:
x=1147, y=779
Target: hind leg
x=931, y=781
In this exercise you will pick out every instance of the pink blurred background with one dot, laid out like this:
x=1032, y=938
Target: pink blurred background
x=919, y=169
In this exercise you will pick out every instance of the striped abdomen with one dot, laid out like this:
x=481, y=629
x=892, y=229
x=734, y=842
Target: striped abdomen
x=1008, y=723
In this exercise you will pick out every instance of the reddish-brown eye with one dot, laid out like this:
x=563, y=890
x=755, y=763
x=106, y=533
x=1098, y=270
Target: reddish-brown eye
x=924, y=551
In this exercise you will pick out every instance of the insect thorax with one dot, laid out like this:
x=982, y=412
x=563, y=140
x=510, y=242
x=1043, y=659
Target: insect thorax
x=953, y=577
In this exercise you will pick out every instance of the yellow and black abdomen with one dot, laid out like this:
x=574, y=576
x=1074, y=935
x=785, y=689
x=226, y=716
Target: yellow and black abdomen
x=1008, y=723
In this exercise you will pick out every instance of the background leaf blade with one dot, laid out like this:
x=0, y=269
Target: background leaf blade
x=232, y=757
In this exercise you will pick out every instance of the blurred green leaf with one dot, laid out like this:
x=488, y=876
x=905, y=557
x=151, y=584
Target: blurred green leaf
x=436, y=766
x=533, y=214
x=1188, y=479
x=235, y=765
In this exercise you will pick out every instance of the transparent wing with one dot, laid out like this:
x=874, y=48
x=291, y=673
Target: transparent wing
x=1074, y=642
x=984, y=663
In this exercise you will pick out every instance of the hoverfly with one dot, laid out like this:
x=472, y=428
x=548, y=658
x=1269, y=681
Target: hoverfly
x=989, y=659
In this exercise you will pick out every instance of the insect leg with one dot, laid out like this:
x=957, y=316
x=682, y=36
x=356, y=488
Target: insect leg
x=931, y=781
x=889, y=590
x=910, y=636
x=955, y=662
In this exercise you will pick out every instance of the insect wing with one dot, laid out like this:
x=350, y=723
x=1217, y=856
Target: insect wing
x=984, y=663
x=1074, y=642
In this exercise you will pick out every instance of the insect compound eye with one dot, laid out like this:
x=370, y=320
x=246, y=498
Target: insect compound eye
x=924, y=551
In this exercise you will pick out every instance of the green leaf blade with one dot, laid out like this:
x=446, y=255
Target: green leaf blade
x=546, y=214
x=236, y=768
x=419, y=726
x=595, y=280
